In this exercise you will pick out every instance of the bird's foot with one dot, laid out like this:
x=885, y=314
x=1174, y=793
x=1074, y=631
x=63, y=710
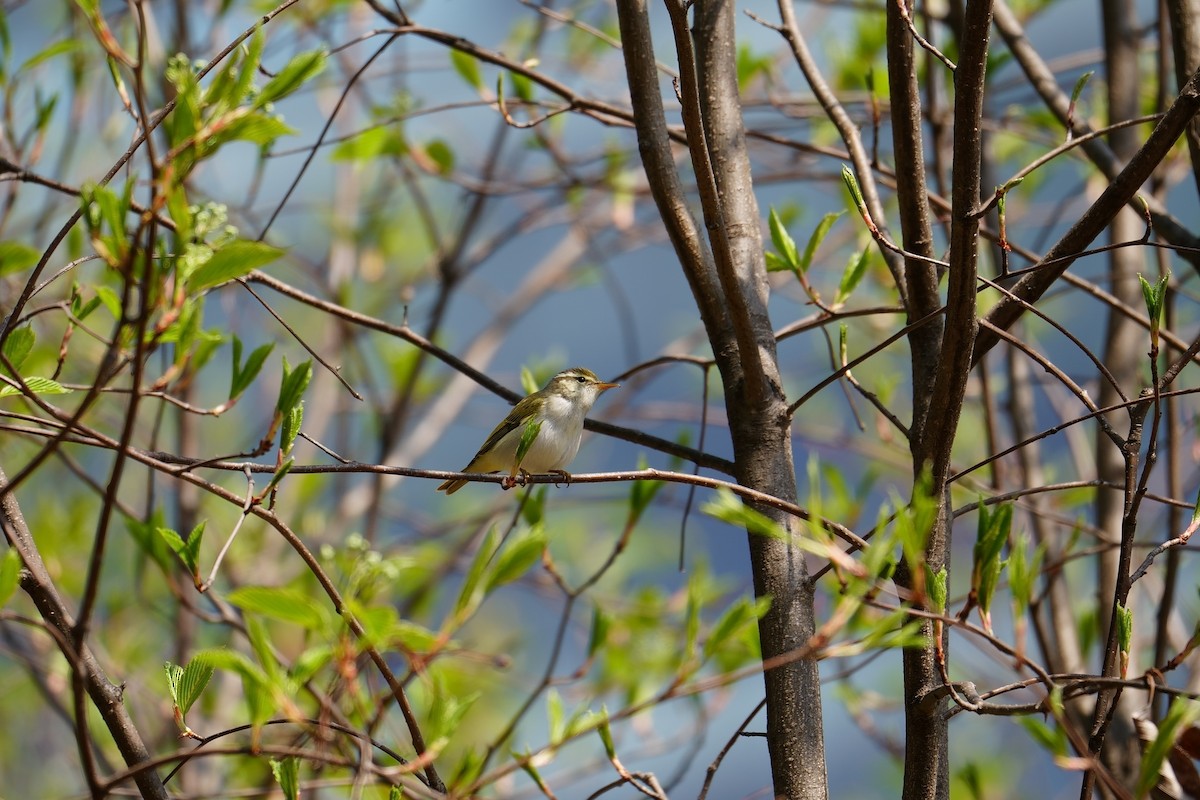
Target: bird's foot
x=563, y=474
x=518, y=478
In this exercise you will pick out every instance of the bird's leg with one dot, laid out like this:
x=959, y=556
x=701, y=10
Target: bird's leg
x=512, y=479
x=562, y=473
x=509, y=480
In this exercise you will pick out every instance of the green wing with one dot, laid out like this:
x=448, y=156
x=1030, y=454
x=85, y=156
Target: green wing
x=520, y=414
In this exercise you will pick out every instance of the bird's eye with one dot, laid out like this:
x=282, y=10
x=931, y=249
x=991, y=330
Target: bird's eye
x=580, y=379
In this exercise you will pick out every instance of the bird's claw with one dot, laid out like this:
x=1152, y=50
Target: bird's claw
x=563, y=474
x=521, y=477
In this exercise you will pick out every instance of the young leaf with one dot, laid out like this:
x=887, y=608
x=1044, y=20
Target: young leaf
x=232, y=261
x=287, y=605
x=471, y=593
x=1180, y=717
x=818, y=235
x=556, y=716
x=518, y=556
x=641, y=493
x=191, y=684
x=522, y=86
x=851, y=184
x=174, y=673
x=935, y=583
x=1053, y=739
x=1080, y=83
x=1124, y=635
x=291, y=429
x=292, y=387
x=295, y=74
x=244, y=375
x=528, y=382
x=19, y=345
x=16, y=257
x=855, y=269
x=601, y=622
x=37, y=385
x=467, y=66
x=287, y=774
x=189, y=550
x=605, y=732
x=783, y=241
x=744, y=613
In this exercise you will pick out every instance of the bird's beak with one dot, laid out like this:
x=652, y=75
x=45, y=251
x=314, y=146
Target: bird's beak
x=606, y=386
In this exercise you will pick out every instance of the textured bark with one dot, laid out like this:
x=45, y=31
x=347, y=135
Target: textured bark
x=1184, y=18
x=1122, y=355
x=726, y=272
x=104, y=694
x=927, y=758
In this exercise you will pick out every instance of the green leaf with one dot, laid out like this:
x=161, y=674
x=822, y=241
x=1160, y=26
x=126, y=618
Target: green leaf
x=1180, y=716
x=174, y=673
x=522, y=86
x=641, y=493
x=10, y=574
x=244, y=374
x=1052, y=739
x=292, y=386
x=936, y=586
x=775, y=263
x=20, y=343
x=17, y=257
x=471, y=593
x=852, y=276
x=61, y=47
x=605, y=732
x=691, y=626
x=255, y=127
x=1124, y=628
x=555, y=715
x=442, y=155
x=110, y=299
x=528, y=436
x=743, y=614
x=291, y=429
x=601, y=622
x=518, y=556
x=287, y=605
x=467, y=66
x=188, y=550
x=370, y=144
x=851, y=184
x=38, y=386
x=784, y=244
x=234, y=260
x=1023, y=571
x=446, y=713
x=309, y=662
x=287, y=774
x=729, y=509
x=528, y=382
x=1080, y=84
x=230, y=661
x=249, y=66
x=526, y=761
x=191, y=684
x=413, y=637
x=818, y=236
x=295, y=74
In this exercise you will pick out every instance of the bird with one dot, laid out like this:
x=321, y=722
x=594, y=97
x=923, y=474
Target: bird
x=552, y=417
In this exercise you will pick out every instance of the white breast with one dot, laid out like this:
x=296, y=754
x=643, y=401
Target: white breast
x=558, y=441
